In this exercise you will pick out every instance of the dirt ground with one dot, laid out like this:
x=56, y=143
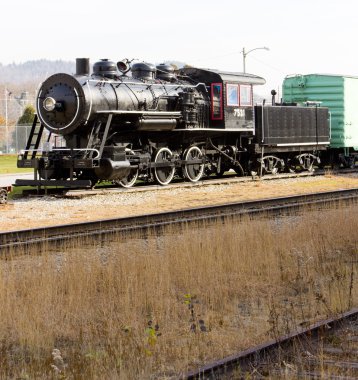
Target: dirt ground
x=32, y=212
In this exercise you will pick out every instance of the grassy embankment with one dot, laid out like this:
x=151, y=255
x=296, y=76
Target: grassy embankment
x=157, y=305
x=8, y=165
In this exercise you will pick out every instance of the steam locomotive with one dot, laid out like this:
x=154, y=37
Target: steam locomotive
x=127, y=121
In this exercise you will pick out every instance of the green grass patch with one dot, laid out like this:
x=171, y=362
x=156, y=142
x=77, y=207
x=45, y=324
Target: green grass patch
x=17, y=191
x=8, y=165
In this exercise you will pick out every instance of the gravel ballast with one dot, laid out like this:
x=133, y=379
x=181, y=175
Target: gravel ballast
x=31, y=212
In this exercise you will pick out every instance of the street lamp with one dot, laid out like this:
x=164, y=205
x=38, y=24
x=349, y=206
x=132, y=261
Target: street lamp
x=245, y=53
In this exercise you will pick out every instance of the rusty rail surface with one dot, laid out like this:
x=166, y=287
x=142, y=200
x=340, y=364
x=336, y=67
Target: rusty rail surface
x=257, y=362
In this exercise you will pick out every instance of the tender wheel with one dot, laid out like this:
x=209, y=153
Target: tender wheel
x=131, y=178
x=271, y=165
x=193, y=171
x=310, y=168
x=163, y=174
x=307, y=161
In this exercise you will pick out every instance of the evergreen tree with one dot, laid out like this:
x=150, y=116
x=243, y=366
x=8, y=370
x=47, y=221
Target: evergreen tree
x=23, y=127
x=28, y=116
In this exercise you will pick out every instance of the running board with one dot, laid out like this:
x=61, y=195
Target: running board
x=53, y=182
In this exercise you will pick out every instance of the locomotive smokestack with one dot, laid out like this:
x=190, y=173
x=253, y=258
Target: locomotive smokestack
x=82, y=66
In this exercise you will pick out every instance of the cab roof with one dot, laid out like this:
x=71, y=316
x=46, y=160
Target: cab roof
x=212, y=76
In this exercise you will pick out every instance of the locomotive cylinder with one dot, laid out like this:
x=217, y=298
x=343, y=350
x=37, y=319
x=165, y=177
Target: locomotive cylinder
x=112, y=170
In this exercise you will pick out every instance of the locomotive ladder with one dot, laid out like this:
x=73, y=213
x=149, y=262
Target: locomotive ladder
x=34, y=139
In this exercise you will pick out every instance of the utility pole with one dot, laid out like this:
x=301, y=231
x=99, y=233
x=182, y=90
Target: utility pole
x=245, y=53
x=6, y=127
x=243, y=60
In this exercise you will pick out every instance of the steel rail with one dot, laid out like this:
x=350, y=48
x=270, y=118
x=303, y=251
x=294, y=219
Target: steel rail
x=65, y=232
x=227, y=179
x=247, y=359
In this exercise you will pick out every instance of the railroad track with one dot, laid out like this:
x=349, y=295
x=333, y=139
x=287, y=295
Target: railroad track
x=65, y=232
x=325, y=350
x=206, y=181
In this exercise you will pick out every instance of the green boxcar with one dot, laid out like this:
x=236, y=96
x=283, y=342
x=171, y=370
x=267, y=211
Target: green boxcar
x=339, y=94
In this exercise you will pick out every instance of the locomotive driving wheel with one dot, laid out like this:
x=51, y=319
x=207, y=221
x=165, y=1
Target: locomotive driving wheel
x=194, y=170
x=131, y=178
x=163, y=172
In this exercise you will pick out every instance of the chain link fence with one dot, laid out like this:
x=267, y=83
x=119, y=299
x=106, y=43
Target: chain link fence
x=14, y=138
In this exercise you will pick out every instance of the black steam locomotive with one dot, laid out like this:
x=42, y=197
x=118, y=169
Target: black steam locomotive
x=125, y=122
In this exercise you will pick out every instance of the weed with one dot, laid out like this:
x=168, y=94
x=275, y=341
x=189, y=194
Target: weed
x=127, y=309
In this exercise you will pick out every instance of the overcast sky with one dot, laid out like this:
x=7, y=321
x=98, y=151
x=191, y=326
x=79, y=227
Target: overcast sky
x=304, y=36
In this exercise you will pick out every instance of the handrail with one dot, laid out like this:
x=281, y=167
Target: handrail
x=62, y=149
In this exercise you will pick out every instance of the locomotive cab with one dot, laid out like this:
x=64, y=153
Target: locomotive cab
x=231, y=97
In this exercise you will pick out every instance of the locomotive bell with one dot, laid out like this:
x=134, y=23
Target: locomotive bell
x=123, y=66
x=105, y=68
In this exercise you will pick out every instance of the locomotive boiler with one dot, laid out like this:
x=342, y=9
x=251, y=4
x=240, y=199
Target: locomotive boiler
x=123, y=122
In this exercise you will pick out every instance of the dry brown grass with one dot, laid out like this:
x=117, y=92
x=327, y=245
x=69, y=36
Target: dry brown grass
x=154, y=306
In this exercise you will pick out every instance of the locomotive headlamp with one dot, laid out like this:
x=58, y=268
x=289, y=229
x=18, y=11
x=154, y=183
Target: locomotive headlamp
x=49, y=104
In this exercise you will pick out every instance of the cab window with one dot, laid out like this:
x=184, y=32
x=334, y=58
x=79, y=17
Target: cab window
x=216, y=101
x=232, y=95
x=245, y=95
